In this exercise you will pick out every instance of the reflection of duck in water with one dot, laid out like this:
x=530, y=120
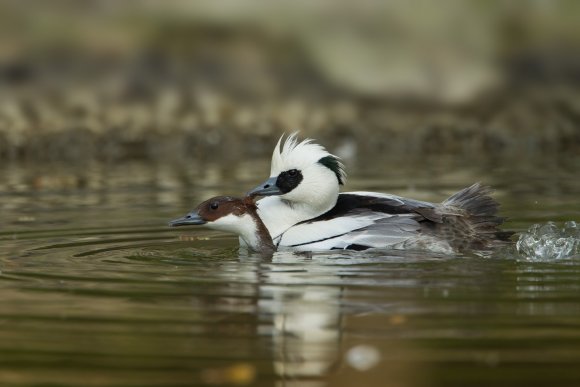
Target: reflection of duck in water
x=234, y=215
x=305, y=211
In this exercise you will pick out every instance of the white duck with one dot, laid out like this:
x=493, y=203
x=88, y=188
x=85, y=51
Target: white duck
x=304, y=210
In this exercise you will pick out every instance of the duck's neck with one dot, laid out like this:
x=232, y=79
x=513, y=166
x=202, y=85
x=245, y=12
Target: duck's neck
x=258, y=237
x=278, y=215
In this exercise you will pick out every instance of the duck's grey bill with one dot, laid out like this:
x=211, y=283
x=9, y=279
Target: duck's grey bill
x=267, y=188
x=188, y=220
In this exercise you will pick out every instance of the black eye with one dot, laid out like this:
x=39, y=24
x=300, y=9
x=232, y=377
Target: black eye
x=293, y=172
x=214, y=206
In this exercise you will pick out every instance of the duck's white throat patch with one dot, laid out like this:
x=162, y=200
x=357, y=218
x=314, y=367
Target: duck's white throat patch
x=243, y=225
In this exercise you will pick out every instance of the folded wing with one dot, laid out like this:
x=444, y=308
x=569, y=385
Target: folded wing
x=360, y=220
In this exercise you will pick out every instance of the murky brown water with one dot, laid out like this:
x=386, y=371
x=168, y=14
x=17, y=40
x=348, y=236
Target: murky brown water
x=95, y=290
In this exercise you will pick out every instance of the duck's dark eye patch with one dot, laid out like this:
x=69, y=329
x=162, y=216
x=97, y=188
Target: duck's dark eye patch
x=288, y=180
x=214, y=206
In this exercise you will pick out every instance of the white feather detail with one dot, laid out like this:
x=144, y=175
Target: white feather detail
x=370, y=229
x=308, y=232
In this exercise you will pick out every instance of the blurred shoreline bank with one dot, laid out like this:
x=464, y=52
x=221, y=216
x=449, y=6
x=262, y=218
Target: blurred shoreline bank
x=527, y=122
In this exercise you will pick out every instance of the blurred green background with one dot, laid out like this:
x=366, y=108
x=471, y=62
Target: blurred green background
x=111, y=80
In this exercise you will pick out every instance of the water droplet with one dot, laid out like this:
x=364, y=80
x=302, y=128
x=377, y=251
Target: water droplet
x=548, y=242
x=363, y=357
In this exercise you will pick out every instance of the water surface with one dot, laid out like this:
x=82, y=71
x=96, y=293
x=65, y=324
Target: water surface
x=97, y=291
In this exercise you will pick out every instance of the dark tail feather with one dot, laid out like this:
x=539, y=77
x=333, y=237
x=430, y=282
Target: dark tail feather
x=480, y=210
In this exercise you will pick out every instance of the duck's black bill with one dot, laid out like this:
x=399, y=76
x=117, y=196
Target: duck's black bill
x=267, y=188
x=188, y=220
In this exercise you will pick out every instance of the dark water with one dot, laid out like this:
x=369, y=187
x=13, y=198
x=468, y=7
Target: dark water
x=95, y=290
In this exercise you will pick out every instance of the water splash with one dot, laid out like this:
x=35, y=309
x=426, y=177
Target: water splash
x=545, y=242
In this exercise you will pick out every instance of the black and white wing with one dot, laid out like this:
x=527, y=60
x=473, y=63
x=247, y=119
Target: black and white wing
x=361, y=220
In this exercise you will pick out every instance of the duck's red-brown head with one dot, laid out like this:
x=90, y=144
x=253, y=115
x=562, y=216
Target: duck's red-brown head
x=231, y=214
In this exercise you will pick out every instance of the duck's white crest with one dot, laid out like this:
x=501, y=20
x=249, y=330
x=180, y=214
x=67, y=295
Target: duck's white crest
x=294, y=154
